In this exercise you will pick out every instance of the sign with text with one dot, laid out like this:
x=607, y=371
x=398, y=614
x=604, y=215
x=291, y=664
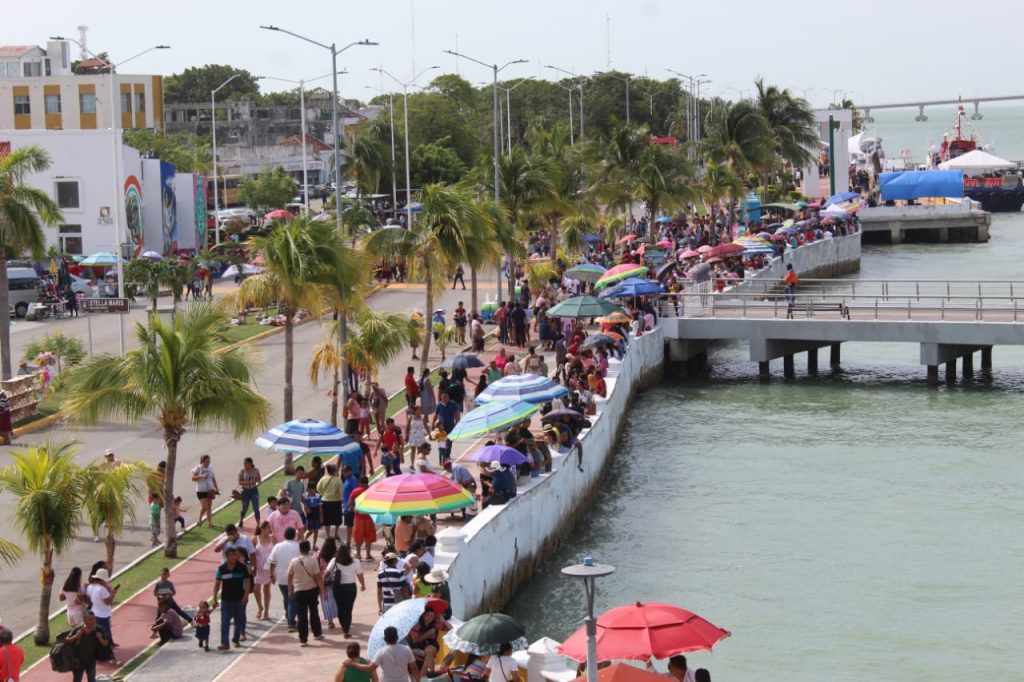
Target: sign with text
x=104, y=305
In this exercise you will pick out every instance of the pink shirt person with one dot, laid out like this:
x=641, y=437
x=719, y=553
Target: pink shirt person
x=279, y=520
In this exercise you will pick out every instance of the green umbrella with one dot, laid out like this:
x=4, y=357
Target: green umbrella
x=583, y=306
x=484, y=634
x=586, y=272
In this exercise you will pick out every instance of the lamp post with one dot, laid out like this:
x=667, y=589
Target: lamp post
x=333, y=49
x=692, y=108
x=549, y=66
x=572, y=133
x=508, y=108
x=391, y=116
x=117, y=205
x=589, y=572
x=405, y=107
x=497, y=136
x=302, y=108
x=213, y=130
x=625, y=79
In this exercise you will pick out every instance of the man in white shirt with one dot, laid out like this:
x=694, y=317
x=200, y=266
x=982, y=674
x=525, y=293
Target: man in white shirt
x=678, y=670
x=396, y=661
x=277, y=563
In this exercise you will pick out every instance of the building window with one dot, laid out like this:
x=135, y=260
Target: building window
x=126, y=103
x=87, y=103
x=67, y=194
x=33, y=69
x=71, y=240
x=13, y=70
x=140, y=102
x=22, y=105
x=52, y=104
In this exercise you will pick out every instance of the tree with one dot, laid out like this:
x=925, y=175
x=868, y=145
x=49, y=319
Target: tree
x=146, y=277
x=68, y=350
x=189, y=152
x=433, y=162
x=271, y=189
x=48, y=489
x=298, y=257
x=181, y=378
x=738, y=135
x=111, y=495
x=720, y=183
x=791, y=121
x=23, y=212
x=369, y=158
x=434, y=245
x=195, y=83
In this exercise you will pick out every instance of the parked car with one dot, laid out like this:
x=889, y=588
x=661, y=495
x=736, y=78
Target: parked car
x=23, y=285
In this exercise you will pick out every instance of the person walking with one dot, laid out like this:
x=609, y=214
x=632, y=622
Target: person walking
x=263, y=545
x=249, y=480
x=364, y=531
x=206, y=489
x=277, y=563
x=12, y=659
x=330, y=490
x=88, y=641
x=305, y=585
x=343, y=572
x=501, y=317
x=396, y=661
x=460, y=274
x=232, y=586
x=101, y=597
x=73, y=593
x=427, y=397
x=791, y=279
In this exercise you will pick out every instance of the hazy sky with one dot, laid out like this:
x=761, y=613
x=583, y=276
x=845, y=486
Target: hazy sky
x=873, y=50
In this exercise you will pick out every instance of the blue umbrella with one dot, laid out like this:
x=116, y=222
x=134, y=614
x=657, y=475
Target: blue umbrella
x=840, y=198
x=100, y=259
x=591, y=238
x=498, y=453
x=634, y=286
x=531, y=388
x=308, y=436
x=664, y=219
x=499, y=415
x=412, y=207
x=463, y=361
x=402, y=616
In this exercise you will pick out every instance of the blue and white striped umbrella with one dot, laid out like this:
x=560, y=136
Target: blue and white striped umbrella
x=529, y=388
x=308, y=436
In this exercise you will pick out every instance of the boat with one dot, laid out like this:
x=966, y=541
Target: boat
x=993, y=182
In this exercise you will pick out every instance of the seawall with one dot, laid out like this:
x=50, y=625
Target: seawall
x=490, y=556
x=818, y=260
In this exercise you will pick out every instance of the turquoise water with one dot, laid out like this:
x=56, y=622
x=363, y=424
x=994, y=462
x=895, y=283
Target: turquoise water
x=1002, y=127
x=844, y=527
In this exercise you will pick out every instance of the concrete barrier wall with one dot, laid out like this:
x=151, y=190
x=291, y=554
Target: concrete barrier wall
x=820, y=259
x=501, y=547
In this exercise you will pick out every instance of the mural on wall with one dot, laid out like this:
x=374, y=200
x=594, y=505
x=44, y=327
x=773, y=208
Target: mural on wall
x=169, y=214
x=133, y=213
x=199, y=199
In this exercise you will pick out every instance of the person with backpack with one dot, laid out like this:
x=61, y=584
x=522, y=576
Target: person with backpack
x=343, y=572
x=82, y=647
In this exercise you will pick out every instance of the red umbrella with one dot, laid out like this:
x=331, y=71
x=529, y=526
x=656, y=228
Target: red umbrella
x=623, y=672
x=279, y=214
x=723, y=250
x=627, y=238
x=639, y=632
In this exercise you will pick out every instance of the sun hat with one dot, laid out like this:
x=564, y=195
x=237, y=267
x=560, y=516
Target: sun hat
x=108, y=453
x=494, y=466
x=389, y=556
x=437, y=576
x=101, y=574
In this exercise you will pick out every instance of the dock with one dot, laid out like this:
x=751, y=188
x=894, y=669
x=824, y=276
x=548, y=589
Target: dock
x=959, y=221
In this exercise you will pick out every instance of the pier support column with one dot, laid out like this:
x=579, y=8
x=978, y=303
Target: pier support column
x=933, y=375
x=951, y=371
x=833, y=356
x=763, y=371
x=788, y=367
x=986, y=358
x=895, y=233
x=968, y=366
x=812, y=361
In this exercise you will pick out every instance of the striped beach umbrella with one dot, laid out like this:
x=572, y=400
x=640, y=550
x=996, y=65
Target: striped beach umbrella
x=493, y=417
x=620, y=272
x=412, y=494
x=100, y=259
x=307, y=436
x=529, y=388
x=586, y=272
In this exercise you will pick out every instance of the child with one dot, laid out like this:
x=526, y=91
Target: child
x=164, y=592
x=364, y=417
x=311, y=503
x=391, y=462
x=271, y=504
x=179, y=513
x=202, y=623
x=154, y=520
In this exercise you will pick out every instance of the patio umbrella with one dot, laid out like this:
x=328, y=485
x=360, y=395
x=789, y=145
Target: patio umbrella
x=279, y=214
x=498, y=453
x=634, y=286
x=484, y=634
x=704, y=249
x=723, y=250
x=615, y=318
x=307, y=436
x=463, y=361
x=595, y=340
x=412, y=494
x=701, y=272
x=665, y=269
x=556, y=415
x=839, y=198
x=640, y=632
x=232, y=271
x=101, y=259
x=152, y=255
x=586, y=272
x=582, y=306
x=402, y=616
x=624, y=672
x=528, y=388
x=619, y=273
x=627, y=238
x=663, y=219
x=689, y=253
x=493, y=417
x=665, y=243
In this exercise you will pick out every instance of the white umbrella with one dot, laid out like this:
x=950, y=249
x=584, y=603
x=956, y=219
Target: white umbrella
x=232, y=271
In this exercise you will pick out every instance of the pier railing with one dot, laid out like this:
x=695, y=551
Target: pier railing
x=860, y=299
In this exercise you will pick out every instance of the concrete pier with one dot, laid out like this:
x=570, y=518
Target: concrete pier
x=834, y=354
x=812, y=361
x=788, y=366
x=963, y=221
x=986, y=358
x=968, y=366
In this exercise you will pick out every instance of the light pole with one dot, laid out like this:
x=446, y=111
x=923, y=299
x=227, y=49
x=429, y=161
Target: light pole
x=302, y=108
x=497, y=140
x=589, y=572
x=692, y=108
x=572, y=133
x=213, y=130
x=549, y=66
x=625, y=79
x=699, y=122
x=508, y=108
x=118, y=205
x=391, y=116
x=405, y=107
x=333, y=49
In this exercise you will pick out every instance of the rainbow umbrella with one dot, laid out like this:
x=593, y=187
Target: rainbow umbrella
x=620, y=272
x=412, y=494
x=498, y=415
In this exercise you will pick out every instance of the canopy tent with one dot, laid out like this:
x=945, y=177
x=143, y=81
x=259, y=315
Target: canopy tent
x=917, y=184
x=977, y=163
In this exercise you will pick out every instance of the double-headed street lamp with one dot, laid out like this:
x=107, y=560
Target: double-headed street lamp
x=213, y=133
x=625, y=79
x=497, y=134
x=580, y=78
x=508, y=108
x=693, y=102
x=335, y=51
x=391, y=117
x=118, y=205
x=405, y=107
x=572, y=131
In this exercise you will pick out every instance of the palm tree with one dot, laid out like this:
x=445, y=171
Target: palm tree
x=298, y=257
x=10, y=553
x=574, y=232
x=23, y=212
x=178, y=377
x=738, y=135
x=48, y=489
x=491, y=238
x=111, y=496
x=791, y=121
x=662, y=179
x=435, y=245
x=720, y=183
x=369, y=159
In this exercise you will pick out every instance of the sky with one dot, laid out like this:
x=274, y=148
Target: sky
x=876, y=51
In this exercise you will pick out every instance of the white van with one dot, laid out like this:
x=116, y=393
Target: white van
x=23, y=284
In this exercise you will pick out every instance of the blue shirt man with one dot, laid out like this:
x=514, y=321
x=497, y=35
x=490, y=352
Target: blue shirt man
x=349, y=483
x=445, y=413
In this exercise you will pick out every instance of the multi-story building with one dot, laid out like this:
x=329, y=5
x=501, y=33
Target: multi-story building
x=39, y=91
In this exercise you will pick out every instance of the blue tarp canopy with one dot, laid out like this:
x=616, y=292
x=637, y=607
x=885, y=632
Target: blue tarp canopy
x=917, y=184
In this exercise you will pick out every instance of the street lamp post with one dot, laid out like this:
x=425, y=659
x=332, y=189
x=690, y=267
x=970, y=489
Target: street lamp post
x=213, y=130
x=333, y=49
x=572, y=133
x=117, y=205
x=391, y=116
x=508, y=109
x=405, y=107
x=497, y=139
x=549, y=66
x=589, y=572
x=625, y=79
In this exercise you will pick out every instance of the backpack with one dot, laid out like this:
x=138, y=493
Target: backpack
x=62, y=656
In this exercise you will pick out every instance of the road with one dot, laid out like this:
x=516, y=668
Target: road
x=142, y=441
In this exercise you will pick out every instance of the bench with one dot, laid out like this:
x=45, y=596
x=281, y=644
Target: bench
x=812, y=307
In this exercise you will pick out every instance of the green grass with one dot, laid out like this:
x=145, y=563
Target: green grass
x=251, y=328
x=146, y=571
